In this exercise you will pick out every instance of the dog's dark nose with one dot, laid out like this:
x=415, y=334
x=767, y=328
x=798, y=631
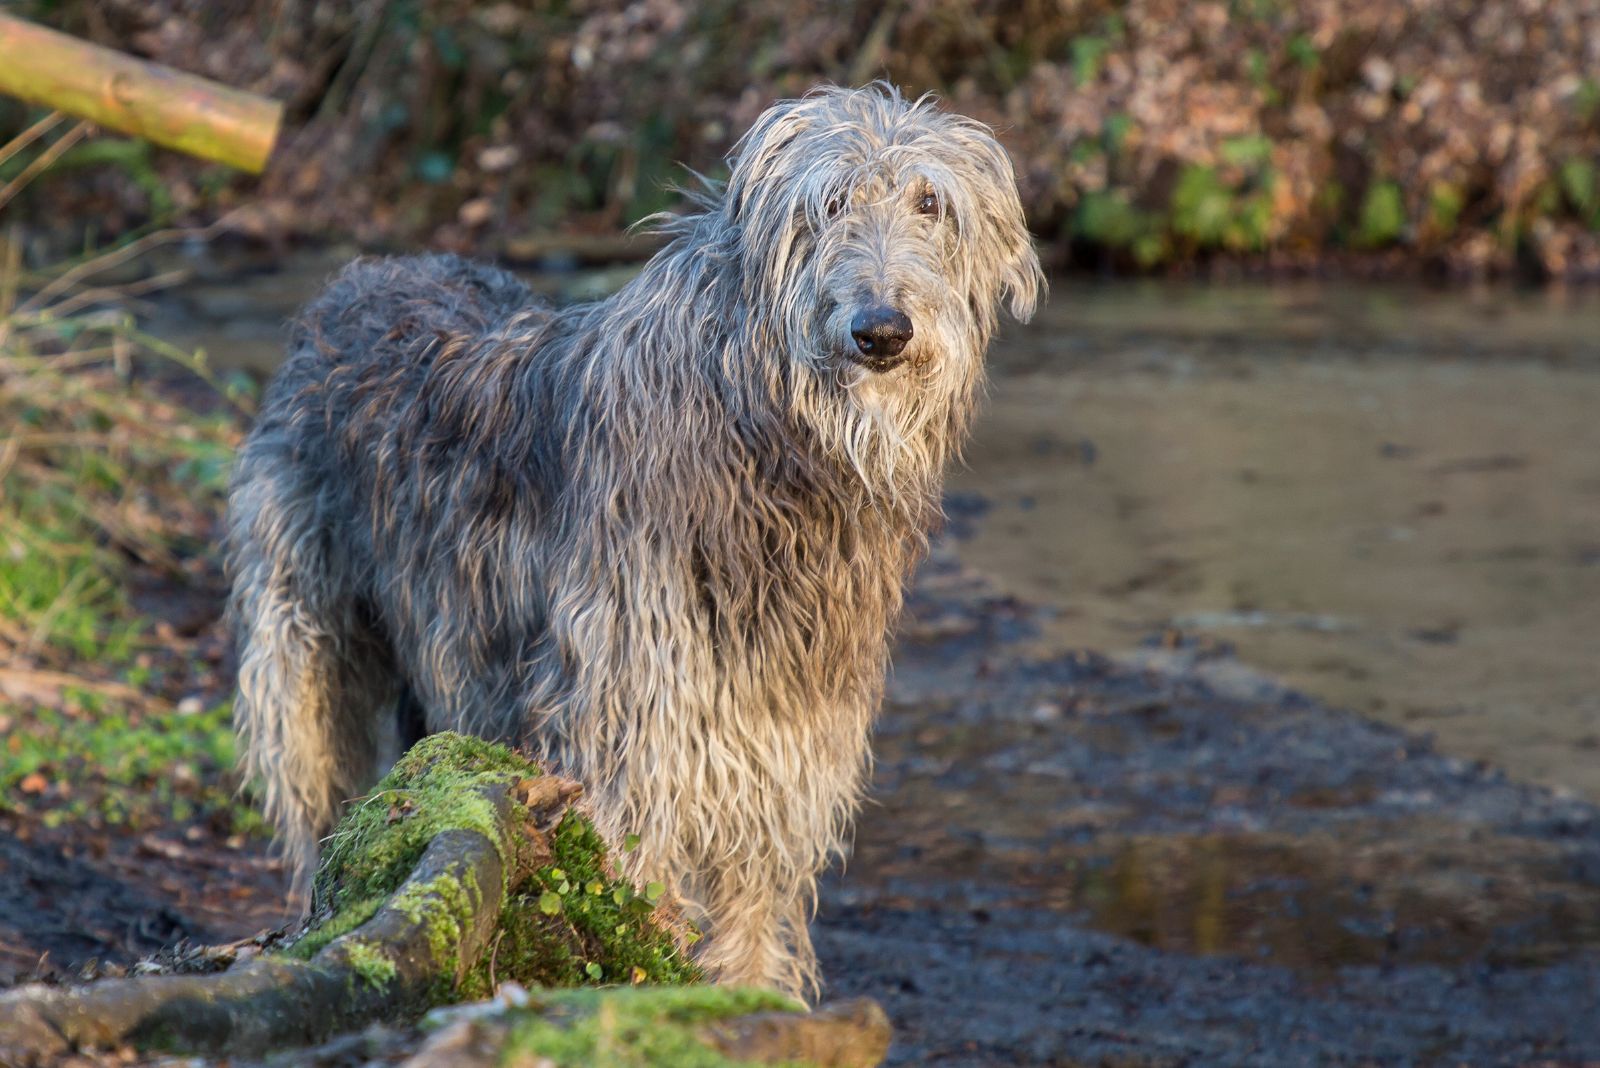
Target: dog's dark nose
x=881, y=334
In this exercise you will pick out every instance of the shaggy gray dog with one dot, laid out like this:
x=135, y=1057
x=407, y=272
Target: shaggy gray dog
x=658, y=540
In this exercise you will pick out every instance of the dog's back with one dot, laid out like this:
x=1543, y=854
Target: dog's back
x=392, y=313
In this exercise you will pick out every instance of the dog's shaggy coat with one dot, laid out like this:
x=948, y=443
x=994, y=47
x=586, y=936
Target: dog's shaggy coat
x=659, y=539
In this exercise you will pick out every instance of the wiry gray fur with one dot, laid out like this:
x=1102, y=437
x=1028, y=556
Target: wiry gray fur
x=659, y=539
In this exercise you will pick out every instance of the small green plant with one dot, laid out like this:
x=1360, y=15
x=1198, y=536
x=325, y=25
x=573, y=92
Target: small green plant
x=1303, y=51
x=1252, y=151
x=1108, y=219
x=1383, y=216
x=1578, y=184
x=1586, y=101
x=1210, y=213
x=1445, y=203
x=1088, y=53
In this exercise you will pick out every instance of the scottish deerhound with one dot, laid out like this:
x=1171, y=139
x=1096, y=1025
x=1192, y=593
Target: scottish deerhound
x=659, y=540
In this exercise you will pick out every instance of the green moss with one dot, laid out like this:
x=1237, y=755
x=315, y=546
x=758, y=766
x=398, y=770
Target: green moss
x=576, y=924
x=634, y=1027
x=572, y=922
x=370, y=963
x=442, y=905
x=437, y=786
x=352, y=915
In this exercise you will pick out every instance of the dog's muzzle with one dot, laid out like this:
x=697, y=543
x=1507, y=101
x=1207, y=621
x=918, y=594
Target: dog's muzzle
x=880, y=334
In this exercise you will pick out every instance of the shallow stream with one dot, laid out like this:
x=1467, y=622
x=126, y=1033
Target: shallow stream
x=1386, y=496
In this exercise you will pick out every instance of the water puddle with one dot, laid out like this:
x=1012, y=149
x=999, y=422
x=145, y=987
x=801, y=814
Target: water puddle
x=1320, y=904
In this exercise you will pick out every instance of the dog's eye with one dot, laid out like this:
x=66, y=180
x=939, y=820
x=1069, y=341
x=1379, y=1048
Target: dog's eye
x=929, y=204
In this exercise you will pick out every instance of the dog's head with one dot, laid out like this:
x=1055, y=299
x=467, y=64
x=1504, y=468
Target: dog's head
x=876, y=239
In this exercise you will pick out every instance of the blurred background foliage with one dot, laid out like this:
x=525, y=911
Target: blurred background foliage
x=1457, y=137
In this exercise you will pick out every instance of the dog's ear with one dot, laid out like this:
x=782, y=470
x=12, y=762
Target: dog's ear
x=1007, y=247
x=1022, y=280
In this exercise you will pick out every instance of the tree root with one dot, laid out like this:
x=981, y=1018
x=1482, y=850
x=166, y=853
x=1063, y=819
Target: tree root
x=387, y=967
x=651, y=1027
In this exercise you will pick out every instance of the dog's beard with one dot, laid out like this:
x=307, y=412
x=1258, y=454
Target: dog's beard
x=884, y=427
x=893, y=429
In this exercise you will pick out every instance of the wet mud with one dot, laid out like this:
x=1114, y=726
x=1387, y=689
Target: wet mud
x=1078, y=860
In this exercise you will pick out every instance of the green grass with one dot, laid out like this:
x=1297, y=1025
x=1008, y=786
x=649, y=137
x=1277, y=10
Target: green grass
x=108, y=715
x=91, y=761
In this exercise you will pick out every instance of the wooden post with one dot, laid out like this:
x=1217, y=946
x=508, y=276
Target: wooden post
x=162, y=105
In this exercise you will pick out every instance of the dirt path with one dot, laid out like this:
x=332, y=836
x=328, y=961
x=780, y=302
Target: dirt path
x=78, y=900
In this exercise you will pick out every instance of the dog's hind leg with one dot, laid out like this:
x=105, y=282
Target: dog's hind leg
x=317, y=687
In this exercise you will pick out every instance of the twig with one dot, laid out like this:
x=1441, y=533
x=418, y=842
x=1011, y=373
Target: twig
x=34, y=682
x=43, y=160
x=194, y=362
x=98, y=294
x=30, y=135
x=10, y=278
x=107, y=260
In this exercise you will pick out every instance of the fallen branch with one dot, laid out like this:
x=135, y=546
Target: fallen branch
x=157, y=103
x=389, y=965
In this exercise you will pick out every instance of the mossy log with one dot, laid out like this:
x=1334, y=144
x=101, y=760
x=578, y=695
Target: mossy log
x=267, y=1002
x=465, y=866
x=159, y=104
x=651, y=1027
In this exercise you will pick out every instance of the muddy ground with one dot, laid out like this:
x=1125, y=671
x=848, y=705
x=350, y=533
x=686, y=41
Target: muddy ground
x=1074, y=860
x=1162, y=859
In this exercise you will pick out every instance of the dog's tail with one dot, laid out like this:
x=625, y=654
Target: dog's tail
x=317, y=688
